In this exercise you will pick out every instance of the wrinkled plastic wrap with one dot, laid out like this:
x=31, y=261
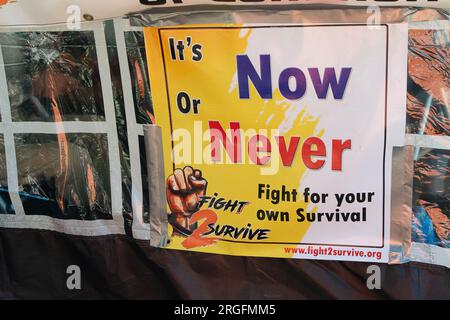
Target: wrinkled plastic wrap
x=137, y=61
x=67, y=130
x=53, y=77
x=6, y=206
x=65, y=176
x=428, y=82
x=428, y=115
x=431, y=208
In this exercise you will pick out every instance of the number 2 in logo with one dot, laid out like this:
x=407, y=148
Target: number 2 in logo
x=196, y=239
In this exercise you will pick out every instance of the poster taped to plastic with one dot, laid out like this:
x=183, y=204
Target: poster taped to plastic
x=279, y=148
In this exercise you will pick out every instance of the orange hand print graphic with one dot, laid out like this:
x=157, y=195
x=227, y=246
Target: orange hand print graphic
x=185, y=187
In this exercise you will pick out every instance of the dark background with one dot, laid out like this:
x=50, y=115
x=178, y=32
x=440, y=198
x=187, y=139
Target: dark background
x=34, y=266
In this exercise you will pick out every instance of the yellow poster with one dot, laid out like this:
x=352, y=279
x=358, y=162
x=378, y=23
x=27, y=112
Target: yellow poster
x=278, y=138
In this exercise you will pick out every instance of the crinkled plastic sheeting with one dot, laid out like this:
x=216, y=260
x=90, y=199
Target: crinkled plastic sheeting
x=428, y=123
x=73, y=105
x=71, y=138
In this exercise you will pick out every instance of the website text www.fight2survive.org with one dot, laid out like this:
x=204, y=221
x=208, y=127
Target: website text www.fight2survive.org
x=328, y=251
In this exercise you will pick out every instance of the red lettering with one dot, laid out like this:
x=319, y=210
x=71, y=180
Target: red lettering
x=259, y=148
x=338, y=149
x=256, y=144
x=287, y=154
x=308, y=153
x=218, y=137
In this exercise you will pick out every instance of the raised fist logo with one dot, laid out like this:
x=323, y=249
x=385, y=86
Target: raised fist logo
x=184, y=189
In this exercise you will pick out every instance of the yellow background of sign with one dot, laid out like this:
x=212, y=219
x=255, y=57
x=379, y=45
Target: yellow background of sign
x=211, y=80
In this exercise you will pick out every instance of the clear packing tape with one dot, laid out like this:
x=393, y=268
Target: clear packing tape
x=74, y=105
